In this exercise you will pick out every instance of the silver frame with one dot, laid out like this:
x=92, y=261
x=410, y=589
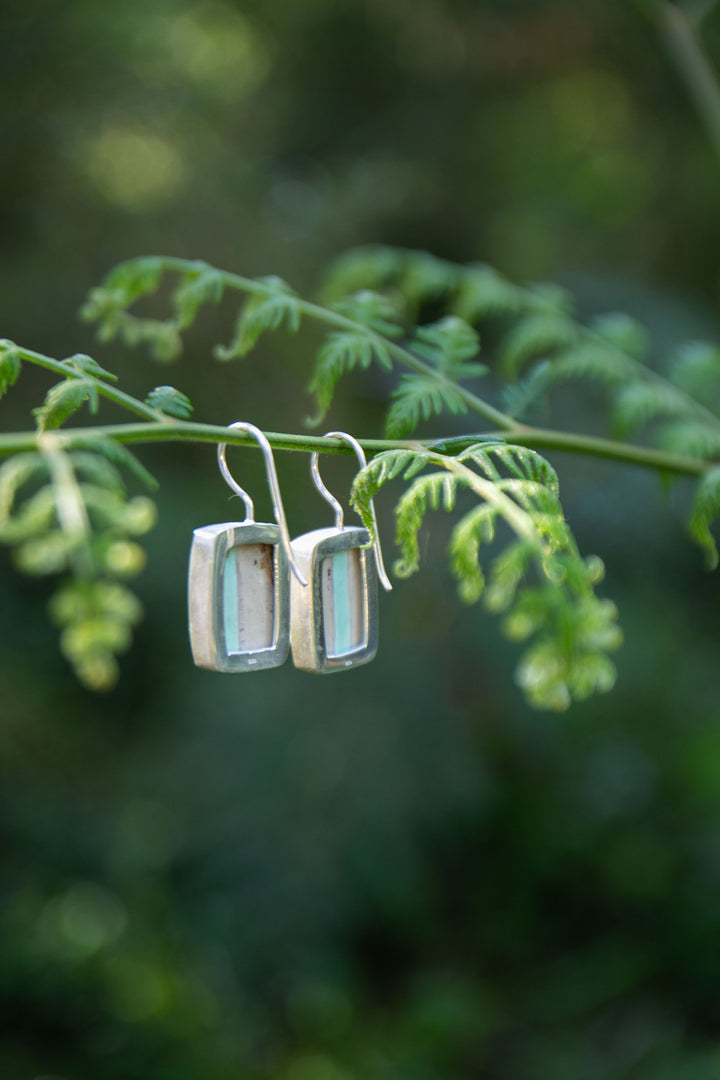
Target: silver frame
x=307, y=634
x=210, y=546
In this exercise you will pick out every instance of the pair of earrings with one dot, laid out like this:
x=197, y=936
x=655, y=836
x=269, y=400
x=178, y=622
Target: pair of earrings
x=247, y=611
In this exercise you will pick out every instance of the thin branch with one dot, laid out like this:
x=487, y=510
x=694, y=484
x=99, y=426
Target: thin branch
x=535, y=438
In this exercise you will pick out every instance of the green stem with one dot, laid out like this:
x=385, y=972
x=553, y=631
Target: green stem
x=535, y=438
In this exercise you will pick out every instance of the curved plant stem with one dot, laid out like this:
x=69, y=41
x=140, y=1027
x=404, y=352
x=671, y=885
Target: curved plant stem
x=536, y=438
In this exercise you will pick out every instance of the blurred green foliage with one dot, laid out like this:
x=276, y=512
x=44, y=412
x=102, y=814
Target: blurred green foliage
x=399, y=874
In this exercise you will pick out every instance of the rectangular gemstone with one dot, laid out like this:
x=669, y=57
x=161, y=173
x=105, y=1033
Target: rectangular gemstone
x=343, y=600
x=249, y=598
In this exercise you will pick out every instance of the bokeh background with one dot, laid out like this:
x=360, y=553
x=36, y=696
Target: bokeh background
x=400, y=873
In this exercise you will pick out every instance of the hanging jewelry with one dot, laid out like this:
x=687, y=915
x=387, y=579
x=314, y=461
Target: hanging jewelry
x=239, y=581
x=334, y=621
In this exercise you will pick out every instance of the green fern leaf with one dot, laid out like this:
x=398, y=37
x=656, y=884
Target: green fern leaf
x=14, y=474
x=96, y=619
x=197, y=287
x=483, y=292
x=10, y=365
x=81, y=364
x=162, y=337
x=34, y=516
x=170, y=401
x=135, y=278
x=696, y=369
x=119, y=455
x=64, y=399
x=340, y=353
x=447, y=344
x=425, y=277
x=384, y=467
x=640, y=402
x=591, y=360
x=98, y=469
x=548, y=298
x=506, y=573
x=535, y=335
x=520, y=461
x=263, y=313
x=520, y=399
x=368, y=267
x=624, y=333
x=693, y=438
x=418, y=397
x=706, y=508
x=475, y=528
x=427, y=492
x=372, y=310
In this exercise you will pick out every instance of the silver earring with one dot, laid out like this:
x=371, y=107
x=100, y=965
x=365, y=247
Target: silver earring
x=239, y=582
x=334, y=621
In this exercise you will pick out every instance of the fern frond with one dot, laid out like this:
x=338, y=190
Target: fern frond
x=622, y=333
x=340, y=353
x=475, y=528
x=261, y=314
x=418, y=397
x=448, y=344
x=535, y=335
x=695, y=368
x=590, y=359
x=10, y=365
x=135, y=278
x=425, y=277
x=427, y=492
x=642, y=401
x=79, y=521
x=119, y=454
x=368, y=267
x=170, y=401
x=373, y=310
x=519, y=461
x=14, y=474
x=520, y=398
x=572, y=630
x=203, y=285
x=82, y=364
x=64, y=399
x=483, y=292
x=695, y=438
x=705, y=509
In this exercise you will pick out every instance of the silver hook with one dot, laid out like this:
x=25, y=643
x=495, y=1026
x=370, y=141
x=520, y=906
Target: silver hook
x=339, y=514
x=272, y=483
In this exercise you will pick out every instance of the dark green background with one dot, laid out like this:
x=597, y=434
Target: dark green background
x=399, y=873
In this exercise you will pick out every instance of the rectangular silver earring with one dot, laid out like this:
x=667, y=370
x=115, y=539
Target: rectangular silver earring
x=239, y=583
x=334, y=621
x=239, y=597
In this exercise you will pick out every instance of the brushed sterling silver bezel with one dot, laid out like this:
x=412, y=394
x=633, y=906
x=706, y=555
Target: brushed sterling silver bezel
x=307, y=631
x=210, y=546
